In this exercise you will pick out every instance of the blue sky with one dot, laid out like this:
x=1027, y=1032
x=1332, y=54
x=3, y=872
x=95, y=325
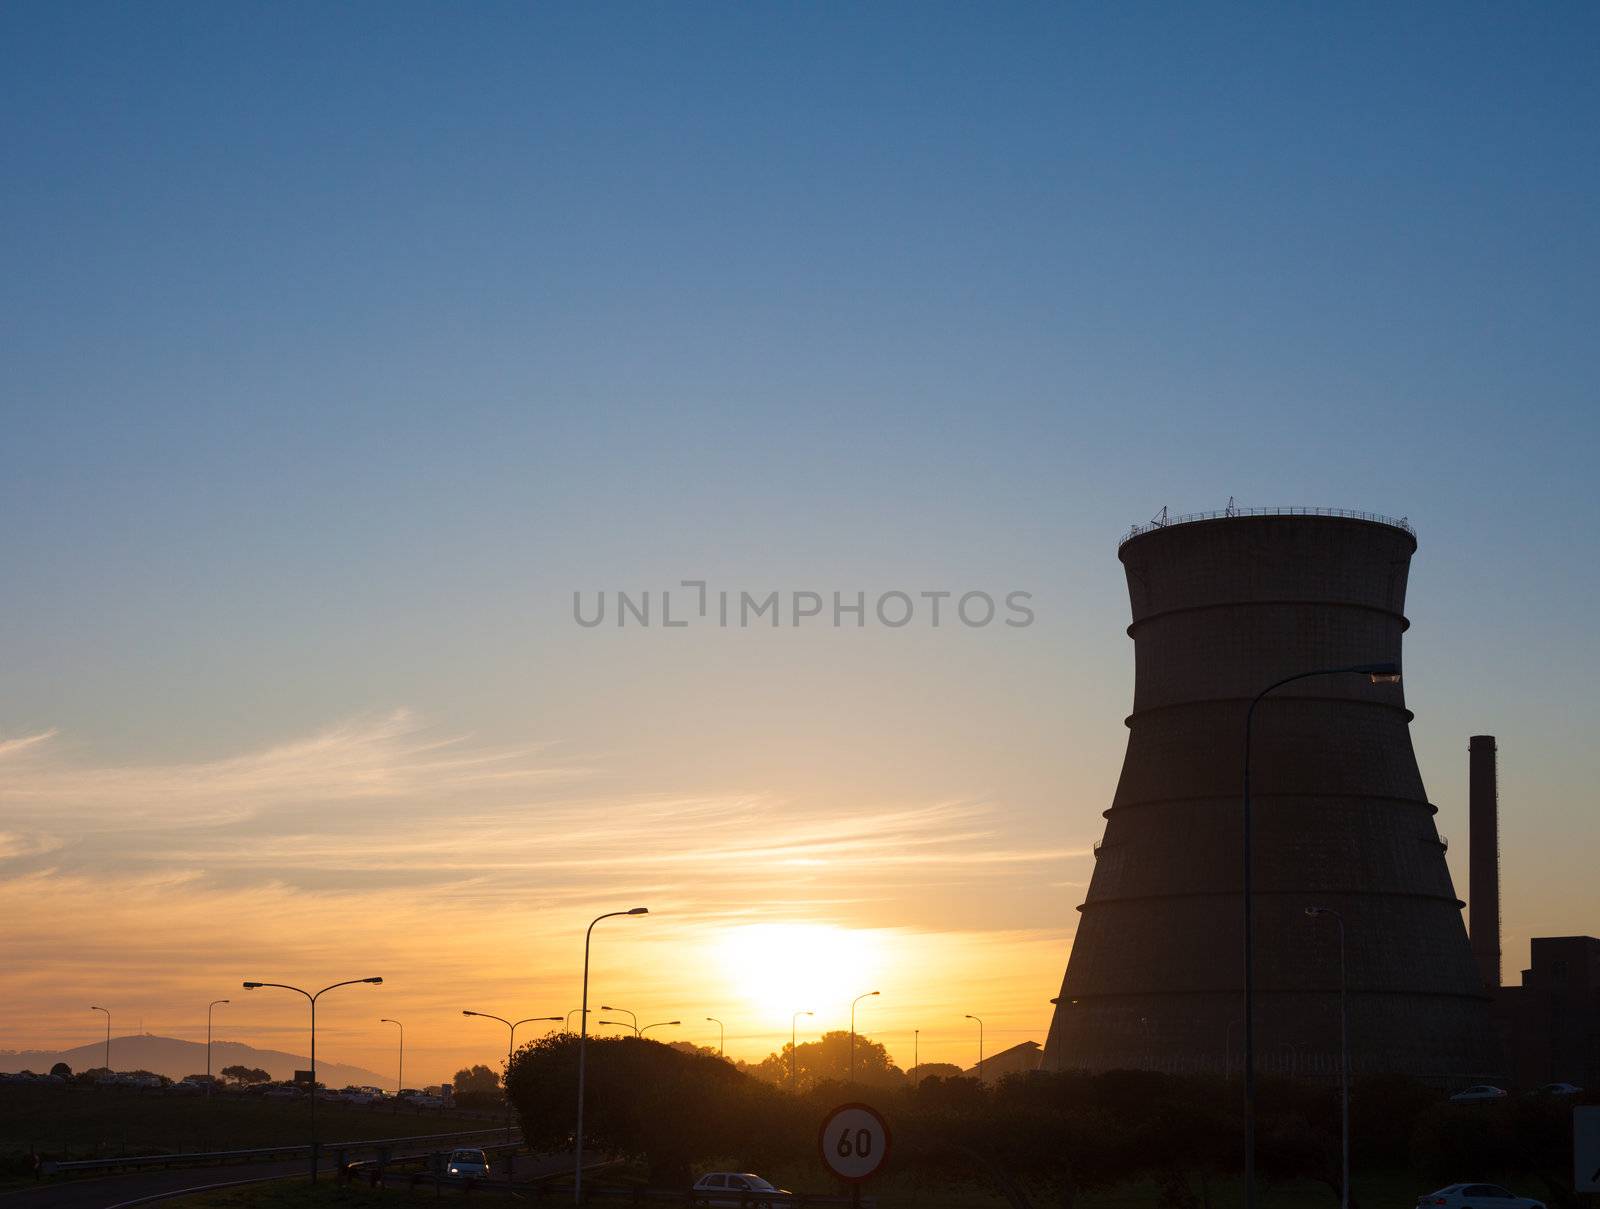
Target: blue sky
x=343, y=343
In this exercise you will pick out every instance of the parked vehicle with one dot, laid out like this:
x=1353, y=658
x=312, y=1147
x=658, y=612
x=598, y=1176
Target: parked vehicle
x=735, y=1188
x=1559, y=1089
x=1473, y=1095
x=467, y=1165
x=1476, y=1196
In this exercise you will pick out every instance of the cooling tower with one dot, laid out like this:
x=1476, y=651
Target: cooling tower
x=1223, y=606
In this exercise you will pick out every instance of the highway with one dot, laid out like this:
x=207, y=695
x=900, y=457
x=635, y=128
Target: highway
x=126, y=1189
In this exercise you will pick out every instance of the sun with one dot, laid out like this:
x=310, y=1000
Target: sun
x=783, y=968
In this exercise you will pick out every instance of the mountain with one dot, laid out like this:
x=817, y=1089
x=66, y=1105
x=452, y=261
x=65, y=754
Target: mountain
x=175, y=1059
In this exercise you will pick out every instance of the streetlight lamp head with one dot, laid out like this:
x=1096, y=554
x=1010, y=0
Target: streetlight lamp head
x=640, y=911
x=374, y=981
x=251, y=986
x=464, y=1012
x=1379, y=673
x=606, y=1007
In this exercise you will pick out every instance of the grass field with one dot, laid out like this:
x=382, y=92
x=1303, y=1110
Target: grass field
x=87, y=1122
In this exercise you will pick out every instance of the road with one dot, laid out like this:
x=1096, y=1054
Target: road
x=136, y=1187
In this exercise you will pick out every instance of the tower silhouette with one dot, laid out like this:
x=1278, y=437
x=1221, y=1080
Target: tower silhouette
x=1223, y=606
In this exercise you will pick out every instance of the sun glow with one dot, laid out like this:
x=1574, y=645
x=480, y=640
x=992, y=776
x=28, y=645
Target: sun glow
x=784, y=968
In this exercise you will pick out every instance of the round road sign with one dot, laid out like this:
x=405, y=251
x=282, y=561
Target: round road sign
x=854, y=1141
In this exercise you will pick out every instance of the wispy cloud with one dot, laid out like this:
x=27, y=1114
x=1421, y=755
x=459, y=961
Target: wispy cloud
x=462, y=866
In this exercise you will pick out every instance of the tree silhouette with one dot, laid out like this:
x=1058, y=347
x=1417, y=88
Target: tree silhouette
x=475, y=1080
x=827, y=1060
x=246, y=1076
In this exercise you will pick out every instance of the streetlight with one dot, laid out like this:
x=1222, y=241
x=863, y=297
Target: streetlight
x=573, y=1013
x=853, y=1003
x=209, y=1006
x=1344, y=1058
x=1379, y=673
x=511, y=1048
x=606, y=1007
x=980, y=1045
x=583, y=1047
x=107, y=1011
x=722, y=1032
x=916, y=1055
x=658, y=1024
x=793, y=1053
x=312, y=999
x=400, y=1078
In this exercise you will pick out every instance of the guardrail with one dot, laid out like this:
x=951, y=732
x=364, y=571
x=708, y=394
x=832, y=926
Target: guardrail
x=259, y=1154
x=726, y=1197
x=1165, y=522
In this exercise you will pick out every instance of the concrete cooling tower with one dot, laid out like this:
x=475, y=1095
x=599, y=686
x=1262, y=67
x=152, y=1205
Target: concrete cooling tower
x=1223, y=606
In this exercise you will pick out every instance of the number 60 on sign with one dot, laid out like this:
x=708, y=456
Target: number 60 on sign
x=854, y=1141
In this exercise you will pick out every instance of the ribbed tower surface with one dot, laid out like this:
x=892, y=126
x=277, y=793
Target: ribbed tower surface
x=1221, y=609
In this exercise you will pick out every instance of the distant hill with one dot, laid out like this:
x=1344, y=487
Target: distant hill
x=175, y=1059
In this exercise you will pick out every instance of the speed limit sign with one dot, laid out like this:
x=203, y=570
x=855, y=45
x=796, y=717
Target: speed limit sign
x=854, y=1141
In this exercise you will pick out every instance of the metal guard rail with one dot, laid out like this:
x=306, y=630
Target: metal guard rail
x=1403, y=523
x=50, y=1167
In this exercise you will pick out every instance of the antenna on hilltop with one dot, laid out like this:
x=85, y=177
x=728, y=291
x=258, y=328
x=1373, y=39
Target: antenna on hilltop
x=1232, y=509
x=1159, y=520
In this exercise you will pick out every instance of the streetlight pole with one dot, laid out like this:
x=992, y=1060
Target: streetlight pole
x=794, y=1055
x=312, y=999
x=980, y=1046
x=511, y=1048
x=606, y=1007
x=657, y=1024
x=1344, y=1057
x=107, y=1011
x=209, y=1006
x=573, y=1013
x=853, y=1003
x=400, y=1077
x=916, y=1055
x=722, y=1032
x=1380, y=673
x=583, y=1048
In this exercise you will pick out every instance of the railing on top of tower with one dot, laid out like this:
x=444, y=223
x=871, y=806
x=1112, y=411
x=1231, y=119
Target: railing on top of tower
x=1162, y=521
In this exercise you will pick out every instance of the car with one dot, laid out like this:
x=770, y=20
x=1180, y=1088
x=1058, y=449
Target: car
x=467, y=1165
x=1481, y=1092
x=733, y=1188
x=1476, y=1196
x=1558, y=1089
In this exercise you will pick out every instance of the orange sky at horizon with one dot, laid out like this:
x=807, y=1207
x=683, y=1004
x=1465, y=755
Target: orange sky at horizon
x=157, y=888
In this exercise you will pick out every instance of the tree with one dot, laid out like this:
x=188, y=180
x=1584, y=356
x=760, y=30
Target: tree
x=934, y=1070
x=654, y=1103
x=61, y=1069
x=246, y=1076
x=475, y=1080
x=827, y=1060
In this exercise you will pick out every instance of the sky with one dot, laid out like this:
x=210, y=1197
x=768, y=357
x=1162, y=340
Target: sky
x=343, y=345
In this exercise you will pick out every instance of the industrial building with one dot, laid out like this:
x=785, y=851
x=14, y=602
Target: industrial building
x=1224, y=606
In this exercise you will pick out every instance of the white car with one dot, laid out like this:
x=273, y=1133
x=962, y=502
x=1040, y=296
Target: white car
x=1476, y=1196
x=1559, y=1089
x=467, y=1165
x=734, y=1188
x=1474, y=1094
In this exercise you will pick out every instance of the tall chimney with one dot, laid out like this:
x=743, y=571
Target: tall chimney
x=1483, y=866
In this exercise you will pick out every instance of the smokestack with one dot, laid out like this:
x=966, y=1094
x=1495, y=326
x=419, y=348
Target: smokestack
x=1483, y=866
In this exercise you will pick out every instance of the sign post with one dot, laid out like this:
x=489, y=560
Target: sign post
x=1586, y=1149
x=854, y=1141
